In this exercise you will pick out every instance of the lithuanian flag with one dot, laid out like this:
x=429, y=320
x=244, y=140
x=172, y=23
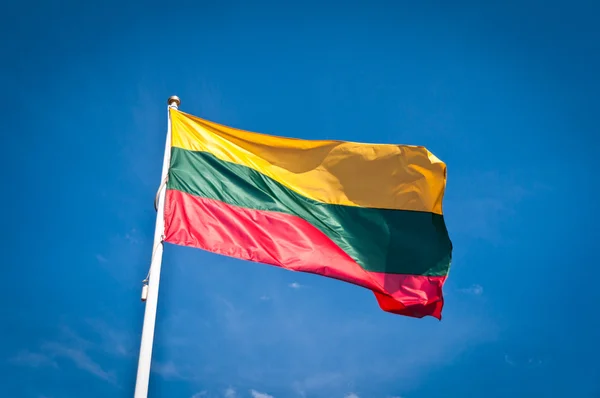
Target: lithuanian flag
x=367, y=214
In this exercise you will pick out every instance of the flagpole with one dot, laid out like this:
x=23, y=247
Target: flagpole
x=150, y=287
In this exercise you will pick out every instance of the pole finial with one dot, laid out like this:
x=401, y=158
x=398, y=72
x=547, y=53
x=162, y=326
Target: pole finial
x=174, y=101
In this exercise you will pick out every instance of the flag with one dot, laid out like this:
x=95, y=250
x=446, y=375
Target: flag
x=366, y=214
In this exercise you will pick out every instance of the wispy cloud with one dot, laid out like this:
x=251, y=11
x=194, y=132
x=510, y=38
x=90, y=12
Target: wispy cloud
x=70, y=346
x=265, y=298
x=509, y=361
x=256, y=394
x=101, y=259
x=529, y=362
x=319, y=382
x=114, y=341
x=475, y=289
x=133, y=237
x=534, y=362
x=295, y=285
x=166, y=370
x=199, y=394
x=480, y=211
x=352, y=395
x=81, y=359
x=229, y=393
x=34, y=360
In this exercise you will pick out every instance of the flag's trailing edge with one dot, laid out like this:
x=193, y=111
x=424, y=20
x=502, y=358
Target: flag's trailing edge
x=367, y=214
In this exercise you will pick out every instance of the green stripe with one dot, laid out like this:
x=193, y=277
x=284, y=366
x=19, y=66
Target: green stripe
x=379, y=240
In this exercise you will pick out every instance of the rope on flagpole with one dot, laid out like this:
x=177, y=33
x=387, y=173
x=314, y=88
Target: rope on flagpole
x=161, y=186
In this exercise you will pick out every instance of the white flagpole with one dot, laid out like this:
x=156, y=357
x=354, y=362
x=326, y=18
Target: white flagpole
x=150, y=288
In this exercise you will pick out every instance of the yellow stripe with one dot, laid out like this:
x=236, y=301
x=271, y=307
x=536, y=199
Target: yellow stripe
x=336, y=172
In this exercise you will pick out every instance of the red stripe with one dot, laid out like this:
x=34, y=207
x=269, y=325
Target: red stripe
x=290, y=242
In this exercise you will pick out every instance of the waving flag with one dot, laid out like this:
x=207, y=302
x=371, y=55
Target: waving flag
x=367, y=214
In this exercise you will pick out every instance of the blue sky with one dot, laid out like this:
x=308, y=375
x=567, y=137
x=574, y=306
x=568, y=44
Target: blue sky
x=505, y=94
